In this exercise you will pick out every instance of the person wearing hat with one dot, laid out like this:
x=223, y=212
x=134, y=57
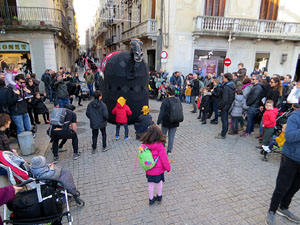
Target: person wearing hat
x=121, y=111
x=145, y=120
x=41, y=169
x=65, y=132
x=164, y=117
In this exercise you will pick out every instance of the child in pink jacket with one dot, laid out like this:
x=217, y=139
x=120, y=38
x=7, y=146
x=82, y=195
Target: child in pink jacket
x=154, y=140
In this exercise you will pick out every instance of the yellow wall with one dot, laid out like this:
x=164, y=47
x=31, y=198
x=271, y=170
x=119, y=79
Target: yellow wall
x=36, y=3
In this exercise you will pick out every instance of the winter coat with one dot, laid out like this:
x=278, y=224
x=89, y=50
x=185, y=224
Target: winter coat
x=158, y=81
x=246, y=88
x=61, y=89
x=33, y=89
x=144, y=122
x=238, y=106
x=175, y=80
x=121, y=113
x=293, y=96
x=291, y=147
x=20, y=107
x=46, y=172
x=254, y=97
x=287, y=88
x=7, y=98
x=46, y=79
x=10, y=79
x=239, y=83
x=280, y=139
x=228, y=96
x=4, y=142
x=97, y=113
x=7, y=194
x=89, y=78
x=217, y=93
x=162, y=164
x=206, y=102
x=40, y=106
x=195, y=87
x=164, y=113
x=269, y=117
x=273, y=95
x=188, y=91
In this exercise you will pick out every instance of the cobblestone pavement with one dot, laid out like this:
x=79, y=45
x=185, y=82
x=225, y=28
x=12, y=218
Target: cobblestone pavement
x=212, y=181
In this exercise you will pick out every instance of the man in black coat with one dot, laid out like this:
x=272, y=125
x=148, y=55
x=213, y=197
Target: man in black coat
x=228, y=95
x=7, y=97
x=195, y=91
x=98, y=115
x=163, y=118
x=47, y=82
x=253, y=101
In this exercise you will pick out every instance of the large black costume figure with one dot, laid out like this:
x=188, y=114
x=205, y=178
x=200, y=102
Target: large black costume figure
x=125, y=74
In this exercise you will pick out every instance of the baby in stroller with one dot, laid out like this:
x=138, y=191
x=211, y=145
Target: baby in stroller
x=40, y=169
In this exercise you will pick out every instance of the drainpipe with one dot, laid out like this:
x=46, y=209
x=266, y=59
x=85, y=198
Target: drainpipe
x=160, y=37
x=228, y=51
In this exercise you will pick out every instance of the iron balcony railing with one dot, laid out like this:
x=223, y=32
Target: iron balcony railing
x=147, y=28
x=33, y=17
x=213, y=25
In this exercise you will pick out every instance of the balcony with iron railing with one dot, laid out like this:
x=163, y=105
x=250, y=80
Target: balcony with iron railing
x=147, y=28
x=33, y=18
x=260, y=29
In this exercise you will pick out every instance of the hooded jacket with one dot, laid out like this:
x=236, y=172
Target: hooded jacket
x=162, y=164
x=291, y=147
x=228, y=96
x=238, y=106
x=121, y=111
x=269, y=117
x=97, y=113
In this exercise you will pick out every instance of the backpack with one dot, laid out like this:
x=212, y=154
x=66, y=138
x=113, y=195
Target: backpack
x=176, y=112
x=57, y=117
x=145, y=158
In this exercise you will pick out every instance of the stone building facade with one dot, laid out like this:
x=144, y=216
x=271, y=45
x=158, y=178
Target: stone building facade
x=259, y=33
x=47, y=28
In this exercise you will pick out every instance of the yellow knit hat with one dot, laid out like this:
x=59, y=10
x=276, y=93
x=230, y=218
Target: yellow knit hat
x=121, y=101
x=145, y=109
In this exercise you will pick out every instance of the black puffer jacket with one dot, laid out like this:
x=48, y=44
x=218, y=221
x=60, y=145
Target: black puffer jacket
x=20, y=106
x=228, y=95
x=40, y=106
x=97, y=113
x=7, y=98
x=254, y=96
x=164, y=114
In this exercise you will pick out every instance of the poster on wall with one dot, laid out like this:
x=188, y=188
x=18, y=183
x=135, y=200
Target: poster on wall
x=205, y=66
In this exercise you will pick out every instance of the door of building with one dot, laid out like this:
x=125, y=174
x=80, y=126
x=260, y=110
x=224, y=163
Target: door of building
x=151, y=59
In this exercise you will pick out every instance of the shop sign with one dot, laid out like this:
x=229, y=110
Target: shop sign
x=13, y=46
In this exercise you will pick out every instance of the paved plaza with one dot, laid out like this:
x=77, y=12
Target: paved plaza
x=211, y=182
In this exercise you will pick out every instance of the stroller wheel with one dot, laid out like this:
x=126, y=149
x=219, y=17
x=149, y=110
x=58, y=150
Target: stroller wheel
x=79, y=201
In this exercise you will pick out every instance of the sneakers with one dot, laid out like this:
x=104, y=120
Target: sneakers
x=169, y=153
x=117, y=137
x=76, y=155
x=219, y=136
x=271, y=220
x=213, y=122
x=244, y=134
x=203, y=122
x=55, y=160
x=151, y=202
x=266, y=148
x=105, y=149
x=126, y=139
x=288, y=214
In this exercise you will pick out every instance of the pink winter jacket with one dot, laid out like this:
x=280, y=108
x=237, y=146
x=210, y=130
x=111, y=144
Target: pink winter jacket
x=163, y=163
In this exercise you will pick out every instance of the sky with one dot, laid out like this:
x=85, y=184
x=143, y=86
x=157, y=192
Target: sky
x=85, y=12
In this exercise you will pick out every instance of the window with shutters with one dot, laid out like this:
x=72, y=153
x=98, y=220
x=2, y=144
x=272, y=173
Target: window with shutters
x=214, y=7
x=269, y=9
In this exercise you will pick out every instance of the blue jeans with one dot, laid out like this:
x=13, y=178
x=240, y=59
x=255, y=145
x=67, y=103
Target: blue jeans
x=62, y=102
x=118, y=129
x=224, y=119
x=22, y=123
x=171, y=136
x=91, y=88
x=251, y=115
x=216, y=111
x=188, y=99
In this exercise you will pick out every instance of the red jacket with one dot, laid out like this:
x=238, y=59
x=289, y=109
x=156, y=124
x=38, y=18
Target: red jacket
x=121, y=113
x=269, y=117
x=162, y=164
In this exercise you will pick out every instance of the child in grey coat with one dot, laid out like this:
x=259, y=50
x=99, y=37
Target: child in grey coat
x=237, y=108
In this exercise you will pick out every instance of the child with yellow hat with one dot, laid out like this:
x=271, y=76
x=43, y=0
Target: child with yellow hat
x=145, y=120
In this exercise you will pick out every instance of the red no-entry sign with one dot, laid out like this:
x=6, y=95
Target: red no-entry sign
x=227, y=62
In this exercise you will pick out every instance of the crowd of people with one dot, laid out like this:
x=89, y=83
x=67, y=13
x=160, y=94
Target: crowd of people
x=239, y=100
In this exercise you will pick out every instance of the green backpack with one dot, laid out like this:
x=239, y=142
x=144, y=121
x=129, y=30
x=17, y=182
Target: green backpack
x=145, y=158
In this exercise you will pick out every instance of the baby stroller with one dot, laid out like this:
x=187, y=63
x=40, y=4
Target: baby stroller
x=85, y=91
x=18, y=171
x=41, y=205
